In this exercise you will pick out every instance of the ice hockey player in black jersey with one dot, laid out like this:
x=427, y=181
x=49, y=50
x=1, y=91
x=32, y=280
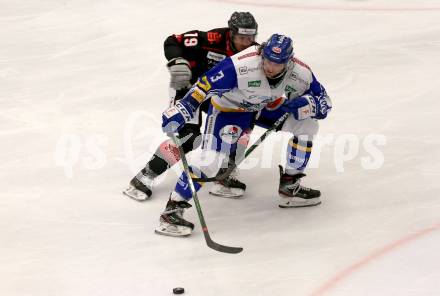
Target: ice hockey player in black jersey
x=190, y=55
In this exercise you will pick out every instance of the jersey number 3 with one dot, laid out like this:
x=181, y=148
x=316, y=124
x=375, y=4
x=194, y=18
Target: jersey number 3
x=217, y=76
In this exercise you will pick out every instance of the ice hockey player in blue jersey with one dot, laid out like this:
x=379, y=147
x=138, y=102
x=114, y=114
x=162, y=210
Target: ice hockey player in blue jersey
x=251, y=81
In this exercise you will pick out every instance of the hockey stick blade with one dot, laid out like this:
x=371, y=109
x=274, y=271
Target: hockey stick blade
x=224, y=249
x=218, y=247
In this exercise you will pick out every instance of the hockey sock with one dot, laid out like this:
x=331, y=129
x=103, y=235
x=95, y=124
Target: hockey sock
x=298, y=155
x=182, y=187
x=242, y=143
x=167, y=154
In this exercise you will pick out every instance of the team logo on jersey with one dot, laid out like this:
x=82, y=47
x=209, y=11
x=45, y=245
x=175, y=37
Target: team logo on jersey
x=215, y=56
x=255, y=103
x=214, y=37
x=230, y=134
x=276, y=49
x=254, y=83
x=289, y=89
x=243, y=70
x=293, y=76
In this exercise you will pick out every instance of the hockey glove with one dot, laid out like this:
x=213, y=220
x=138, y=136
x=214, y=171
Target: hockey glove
x=175, y=117
x=307, y=106
x=299, y=107
x=180, y=72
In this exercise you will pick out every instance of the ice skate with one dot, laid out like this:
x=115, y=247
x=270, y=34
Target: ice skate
x=140, y=187
x=230, y=187
x=171, y=221
x=293, y=195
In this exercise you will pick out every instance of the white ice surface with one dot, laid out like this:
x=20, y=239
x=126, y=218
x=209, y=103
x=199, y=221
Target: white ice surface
x=90, y=76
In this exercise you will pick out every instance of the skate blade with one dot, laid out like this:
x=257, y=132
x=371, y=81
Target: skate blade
x=135, y=194
x=299, y=203
x=231, y=196
x=226, y=192
x=172, y=230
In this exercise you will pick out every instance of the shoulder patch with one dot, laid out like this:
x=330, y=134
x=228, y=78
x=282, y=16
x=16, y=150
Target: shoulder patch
x=299, y=62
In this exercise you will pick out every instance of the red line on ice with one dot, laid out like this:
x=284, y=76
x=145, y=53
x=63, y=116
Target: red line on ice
x=345, y=273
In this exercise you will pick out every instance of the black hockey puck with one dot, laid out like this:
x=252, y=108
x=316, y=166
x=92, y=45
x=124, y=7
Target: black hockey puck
x=178, y=290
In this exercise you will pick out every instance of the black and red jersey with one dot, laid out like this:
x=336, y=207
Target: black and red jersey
x=203, y=50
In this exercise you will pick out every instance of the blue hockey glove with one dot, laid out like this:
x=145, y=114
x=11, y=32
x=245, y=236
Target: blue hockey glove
x=175, y=117
x=299, y=107
x=308, y=106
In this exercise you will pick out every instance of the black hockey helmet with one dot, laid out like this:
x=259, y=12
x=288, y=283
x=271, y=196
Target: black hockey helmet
x=243, y=23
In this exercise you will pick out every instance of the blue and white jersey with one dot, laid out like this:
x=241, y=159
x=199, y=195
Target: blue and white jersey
x=239, y=84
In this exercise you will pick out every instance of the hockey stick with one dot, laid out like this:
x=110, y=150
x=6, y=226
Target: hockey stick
x=232, y=166
x=212, y=244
